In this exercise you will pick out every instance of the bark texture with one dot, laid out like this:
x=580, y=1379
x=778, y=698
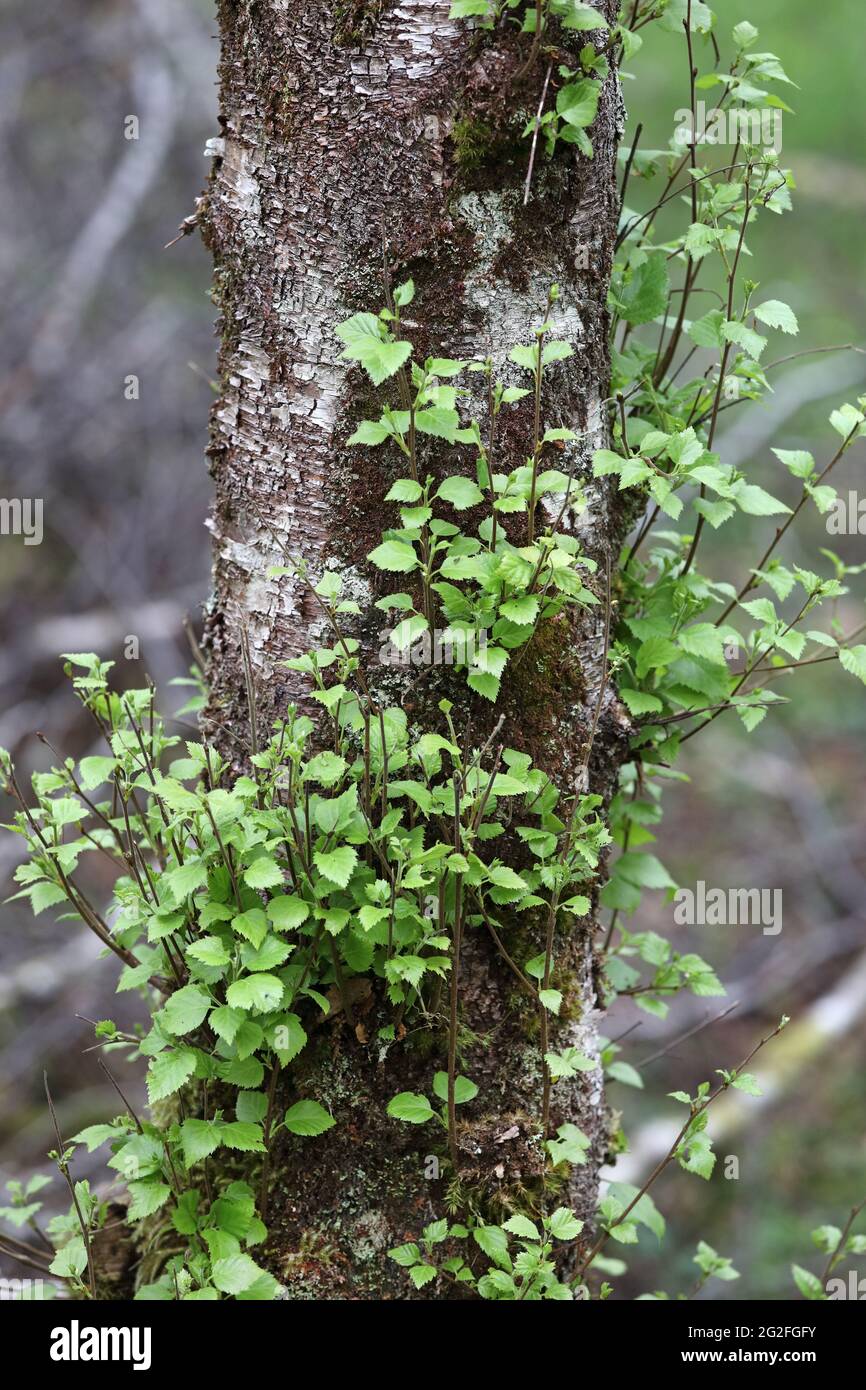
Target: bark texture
x=349, y=126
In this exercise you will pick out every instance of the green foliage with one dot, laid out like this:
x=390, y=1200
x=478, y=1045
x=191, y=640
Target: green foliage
x=520, y=1251
x=245, y=908
x=476, y=580
x=839, y=1246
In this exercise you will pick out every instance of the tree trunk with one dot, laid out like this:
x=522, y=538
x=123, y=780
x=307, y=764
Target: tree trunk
x=357, y=132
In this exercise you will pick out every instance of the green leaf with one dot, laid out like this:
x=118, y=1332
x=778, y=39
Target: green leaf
x=777, y=315
x=575, y=15
x=846, y=420
x=643, y=870
x=853, y=660
x=252, y=925
x=394, y=556
x=520, y=1225
x=210, y=951
x=287, y=912
x=763, y=610
x=564, y=1225
x=605, y=462
x=184, y=1010
x=446, y=366
x=522, y=610
x=200, y=1138
x=748, y=1083
x=483, y=683
x=308, y=1118
x=460, y=492
x=288, y=1038
x=243, y=1135
x=94, y=1136
x=370, y=432
x=496, y=1282
x=823, y=497
x=272, y=953
x=827, y=1238
x=744, y=34
x=404, y=490
x=696, y=1156
x=625, y=1073
x=556, y=350
x=577, y=102
x=523, y=356
x=168, y=1072
x=809, y=1284
x=235, y=1273
x=716, y=513
x=261, y=993
x=92, y=772
x=464, y=1089
x=494, y=1242
x=326, y=768
x=405, y=1255
x=438, y=421
x=503, y=877
x=646, y=294
x=225, y=1022
x=677, y=13
x=570, y=1146
x=705, y=641
x=362, y=335
x=264, y=873
x=550, y=999
x=422, y=1274
x=755, y=501
x=408, y=630
x=147, y=1197
x=71, y=1260
x=654, y=653
x=337, y=865
x=245, y=1072
x=186, y=879
x=707, y=331
x=409, y=1106
x=751, y=342
x=640, y=702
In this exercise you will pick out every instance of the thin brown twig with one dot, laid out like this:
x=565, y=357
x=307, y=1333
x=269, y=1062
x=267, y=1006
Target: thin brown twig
x=64, y=1168
x=694, y=1112
x=836, y=1254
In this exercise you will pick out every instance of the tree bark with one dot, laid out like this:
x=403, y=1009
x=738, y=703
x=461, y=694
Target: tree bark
x=357, y=133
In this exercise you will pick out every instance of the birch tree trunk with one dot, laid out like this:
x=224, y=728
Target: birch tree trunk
x=349, y=126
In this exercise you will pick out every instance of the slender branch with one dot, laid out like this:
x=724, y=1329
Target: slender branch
x=528, y=183
x=840, y=1245
x=694, y=1113
x=64, y=1168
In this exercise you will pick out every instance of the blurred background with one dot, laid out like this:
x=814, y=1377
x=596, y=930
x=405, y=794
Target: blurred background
x=104, y=394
